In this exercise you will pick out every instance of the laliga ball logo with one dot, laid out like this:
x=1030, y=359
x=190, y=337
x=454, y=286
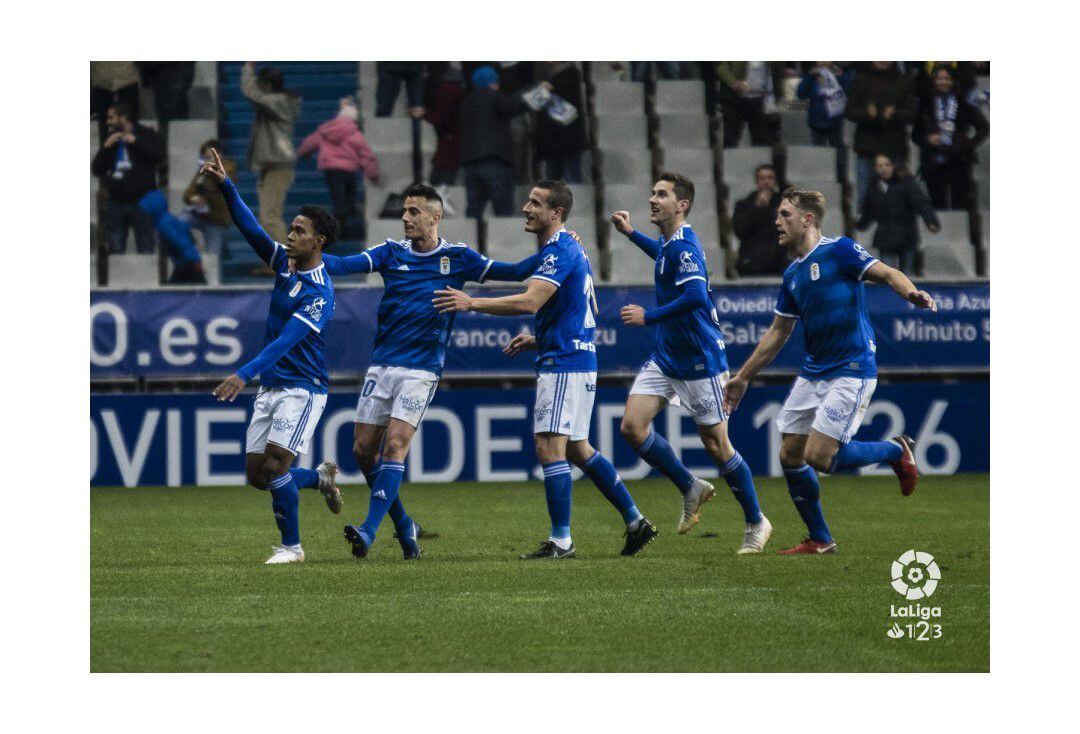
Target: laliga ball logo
x=915, y=575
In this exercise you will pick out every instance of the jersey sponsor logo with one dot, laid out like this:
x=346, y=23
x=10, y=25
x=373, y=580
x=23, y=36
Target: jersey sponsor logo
x=547, y=267
x=283, y=425
x=590, y=387
x=584, y=346
x=686, y=263
x=542, y=413
x=863, y=254
x=702, y=407
x=815, y=271
x=315, y=308
x=410, y=404
x=444, y=265
x=295, y=289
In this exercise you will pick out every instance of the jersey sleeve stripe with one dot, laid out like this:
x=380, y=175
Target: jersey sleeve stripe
x=862, y=273
x=778, y=312
x=549, y=280
x=485, y=272
x=273, y=258
x=689, y=278
x=306, y=321
x=371, y=263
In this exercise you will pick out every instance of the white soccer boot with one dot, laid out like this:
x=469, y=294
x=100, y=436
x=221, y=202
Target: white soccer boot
x=699, y=493
x=286, y=554
x=756, y=536
x=327, y=473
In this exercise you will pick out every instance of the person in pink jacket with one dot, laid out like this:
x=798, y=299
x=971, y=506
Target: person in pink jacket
x=343, y=151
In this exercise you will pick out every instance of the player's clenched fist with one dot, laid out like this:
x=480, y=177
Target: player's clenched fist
x=734, y=389
x=633, y=315
x=519, y=344
x=229, y=389
x=621, y=220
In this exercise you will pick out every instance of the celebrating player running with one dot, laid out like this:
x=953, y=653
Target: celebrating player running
x=560, y=294
x=824, y=288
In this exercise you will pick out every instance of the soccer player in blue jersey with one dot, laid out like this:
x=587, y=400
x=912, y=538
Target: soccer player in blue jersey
x=291, y=365
x=823, y=411
x=560, y=294
x=689, y=366
x=410, y=348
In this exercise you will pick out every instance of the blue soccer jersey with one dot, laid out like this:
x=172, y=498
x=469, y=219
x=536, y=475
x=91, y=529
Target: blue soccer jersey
x=825, y=290
x=689, y=346
x=566, y=323
x=411, y=333
x=308, y=296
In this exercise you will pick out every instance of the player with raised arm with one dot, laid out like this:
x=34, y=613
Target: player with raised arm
x=292, y=365
x=560, y=294
x=410, y=348
x=689, y=366
x=824, y=288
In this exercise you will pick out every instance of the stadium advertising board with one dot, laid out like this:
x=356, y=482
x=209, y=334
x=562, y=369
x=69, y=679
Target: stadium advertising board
x=486, y=435
x=190, y=333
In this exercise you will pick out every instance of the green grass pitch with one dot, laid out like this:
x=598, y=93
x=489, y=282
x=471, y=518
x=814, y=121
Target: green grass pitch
x=178, y=584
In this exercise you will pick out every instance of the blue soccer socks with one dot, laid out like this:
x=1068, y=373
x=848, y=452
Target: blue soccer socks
x=559, y=487
x=305, y=478
x=610, y=484
x=736, y=473
x=400, y=518
x=658, y=453
x=855, y=454
x=383, y=493
x=286, y=504
x=803, y=486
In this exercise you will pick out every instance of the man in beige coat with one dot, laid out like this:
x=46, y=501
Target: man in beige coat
x=271, y=154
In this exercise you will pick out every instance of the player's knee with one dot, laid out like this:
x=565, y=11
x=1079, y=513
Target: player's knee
x=633, y=431
x=272, y=468
x=578, y=452
x=791, y=457
x=395, y=448
x=720, y=449
x=820, y=459
x=255, y=477
x=365, y=456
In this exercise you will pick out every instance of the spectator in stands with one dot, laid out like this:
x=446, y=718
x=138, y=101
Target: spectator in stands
x=392, y=74
x=271, y=155
x=559, y=147
x=642, y=70
x=127, y=164
x=443, y=112
x=826, y=87
x=170, y=81
x=949, y=131
x=882, y=104
x=964, y=75
x=754, y=222
x=206, y=210
x=487, y=148
x=893, y=200
x=514, y=78
x=748, y=97
x=344, y=152
x=112, y=83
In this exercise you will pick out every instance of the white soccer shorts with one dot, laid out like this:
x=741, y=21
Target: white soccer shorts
x=703, y=399
x=834, y=407
x=286, y=417
x=564, y=403
x=395, y=392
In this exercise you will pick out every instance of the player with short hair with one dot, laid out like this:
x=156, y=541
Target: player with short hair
x=410, y=348
x=292, y=364
x=560, y=295
x=689, y=366
x=824, y=289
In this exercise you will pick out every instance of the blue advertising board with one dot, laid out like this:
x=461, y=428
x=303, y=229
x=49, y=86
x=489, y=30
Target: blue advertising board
x=208, y=332
x=473, y=434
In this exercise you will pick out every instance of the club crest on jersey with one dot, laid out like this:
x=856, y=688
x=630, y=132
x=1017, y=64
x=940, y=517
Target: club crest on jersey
x=686, y=263
x=315, y=308
x=444, y=265
x=815, y=271
x=295, y=289
x=548, y=266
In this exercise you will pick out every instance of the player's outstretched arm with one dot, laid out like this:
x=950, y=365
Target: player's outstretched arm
x=879, y=272
x=359, y=264
x=290, y=336
x=694, y=295
x=521, y=304
x=648, y=245
x=515, y=272
x=260, y=241
x=772, y=341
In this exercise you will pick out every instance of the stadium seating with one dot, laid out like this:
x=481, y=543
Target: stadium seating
x=395, y=133
x=695, y=164
x=794, y=128
x=683, y=130
x=627, y=166
x=603, y=71
x=739, y=165
x=680, y=96
x=629, y=131
x=810, y=163
x=620, y=98
x=451, y=230
x=949, y=252
x=133, y=269
x=507, y=239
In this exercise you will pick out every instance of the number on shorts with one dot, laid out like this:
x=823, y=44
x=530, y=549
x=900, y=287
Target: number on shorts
x=369, y=387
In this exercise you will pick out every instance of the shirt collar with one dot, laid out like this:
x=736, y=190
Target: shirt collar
x=313, y=270
x=442, y=244
x=676, y=235
x=555, y=237
x=820, y=242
